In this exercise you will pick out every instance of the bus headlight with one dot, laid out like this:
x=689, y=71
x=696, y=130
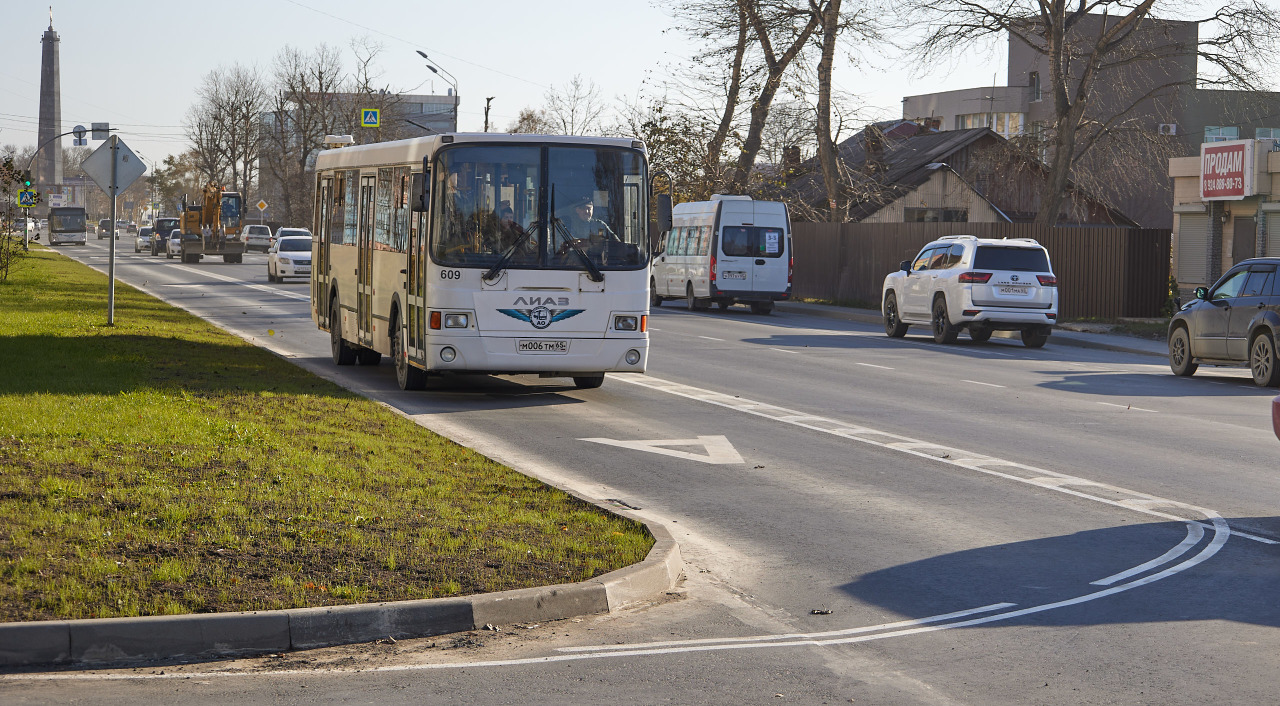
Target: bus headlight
x=447, y=354
x=626, y=323
x=456, y=320
x=632, y=357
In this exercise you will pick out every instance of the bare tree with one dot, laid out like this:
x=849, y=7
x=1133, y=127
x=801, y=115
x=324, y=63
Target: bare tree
x=1116, y=43
x=531, y=121
x=223, y=125
x=576, y=109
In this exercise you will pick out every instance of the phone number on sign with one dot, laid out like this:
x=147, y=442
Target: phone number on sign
x=1224, y=184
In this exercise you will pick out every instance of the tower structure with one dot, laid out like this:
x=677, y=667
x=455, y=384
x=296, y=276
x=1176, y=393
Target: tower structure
x=49, y=161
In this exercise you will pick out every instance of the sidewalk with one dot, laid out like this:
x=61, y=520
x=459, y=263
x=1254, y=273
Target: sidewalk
x=1061, y=336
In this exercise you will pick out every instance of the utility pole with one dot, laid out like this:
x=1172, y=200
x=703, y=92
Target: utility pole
x=487, y=101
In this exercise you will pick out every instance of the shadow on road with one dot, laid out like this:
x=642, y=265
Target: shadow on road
x=1237, y=583
x=1153, y=385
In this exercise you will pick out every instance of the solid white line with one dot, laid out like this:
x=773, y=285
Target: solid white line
x=780, y=350
x=1125, y=406
x=1194, y=534
x=988, y=384
x=250, y=285
x=712, y=339
x=870, y=365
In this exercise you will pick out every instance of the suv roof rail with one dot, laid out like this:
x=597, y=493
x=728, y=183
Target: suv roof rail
x=958, y=237
x=1024, y=240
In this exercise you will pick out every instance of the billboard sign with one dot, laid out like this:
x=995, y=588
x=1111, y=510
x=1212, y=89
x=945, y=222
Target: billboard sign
x=1226, y=170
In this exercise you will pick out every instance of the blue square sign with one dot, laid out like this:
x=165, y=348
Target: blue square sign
x=370, y=117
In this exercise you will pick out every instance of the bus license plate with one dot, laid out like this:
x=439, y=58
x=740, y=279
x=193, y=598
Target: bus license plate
x=542, y=346
x=733, y=275
x=1013, y=290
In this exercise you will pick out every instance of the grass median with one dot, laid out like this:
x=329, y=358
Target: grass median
x=163, y=466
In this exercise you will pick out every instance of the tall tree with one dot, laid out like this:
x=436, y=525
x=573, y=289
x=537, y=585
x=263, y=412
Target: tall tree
x=576, y=109
x=1116, y=43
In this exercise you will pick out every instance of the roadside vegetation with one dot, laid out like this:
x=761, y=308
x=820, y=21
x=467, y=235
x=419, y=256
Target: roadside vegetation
x=163, y=466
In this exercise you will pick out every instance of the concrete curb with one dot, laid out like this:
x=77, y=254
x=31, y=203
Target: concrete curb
x=1060, y=336
x=110, y=640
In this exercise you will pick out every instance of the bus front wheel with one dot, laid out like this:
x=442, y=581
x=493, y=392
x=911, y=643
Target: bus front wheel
x=588, y=382
x=407, y=376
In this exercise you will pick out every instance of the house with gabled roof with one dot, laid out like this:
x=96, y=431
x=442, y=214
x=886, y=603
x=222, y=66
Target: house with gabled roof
x=902, y=171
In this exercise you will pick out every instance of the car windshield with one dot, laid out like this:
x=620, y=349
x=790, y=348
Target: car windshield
x=295, y=245
x=539, y=207
x=991, y=257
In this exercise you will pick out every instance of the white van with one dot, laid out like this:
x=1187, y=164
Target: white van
x=727, y=250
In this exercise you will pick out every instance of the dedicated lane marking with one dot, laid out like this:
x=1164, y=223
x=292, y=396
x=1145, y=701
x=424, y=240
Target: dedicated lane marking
x=1194, y=534
x=1067, y=484
x=718, y=449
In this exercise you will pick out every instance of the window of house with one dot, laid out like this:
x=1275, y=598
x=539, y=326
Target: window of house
x=935, y=215
x=1218, y=133
x=1267, y=133
x=1034, y=82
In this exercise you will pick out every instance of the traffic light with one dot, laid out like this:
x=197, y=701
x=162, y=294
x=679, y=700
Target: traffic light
x=26, y=183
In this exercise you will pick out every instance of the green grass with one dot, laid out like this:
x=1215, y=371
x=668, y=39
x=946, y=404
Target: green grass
x=162, y=466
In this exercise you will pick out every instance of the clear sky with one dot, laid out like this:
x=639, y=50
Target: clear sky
x=134, y=63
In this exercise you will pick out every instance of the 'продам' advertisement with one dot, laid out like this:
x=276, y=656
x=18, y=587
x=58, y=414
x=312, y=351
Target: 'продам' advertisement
x=1226, y=170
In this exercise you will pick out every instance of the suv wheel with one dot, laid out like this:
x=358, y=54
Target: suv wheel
x=1180, y=360
x=943, y=330
x=1034, y=337
x=893, y=325
x=1262, y=360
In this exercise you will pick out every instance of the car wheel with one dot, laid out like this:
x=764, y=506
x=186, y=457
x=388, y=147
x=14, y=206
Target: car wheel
x=1180, y=360
x=588, y=382
x=943, y=330
x=407, y=376
x=980, y=334
x=1262, y=360
x=893, y=325
x=343, y=353
x=136, y=248
x=168, y=254
x=762, y=307
x=655, y=301
x=690, y=301
x=1034, y=337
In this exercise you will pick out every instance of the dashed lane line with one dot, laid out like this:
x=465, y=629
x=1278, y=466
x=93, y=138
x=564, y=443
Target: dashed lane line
x=1129, y=407
x=986, y=384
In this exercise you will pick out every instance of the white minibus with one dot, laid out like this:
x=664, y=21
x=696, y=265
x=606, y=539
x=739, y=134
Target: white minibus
x=727, y=250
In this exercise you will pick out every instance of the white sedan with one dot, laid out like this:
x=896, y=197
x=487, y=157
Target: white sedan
x=289, y=256
x=173, y=246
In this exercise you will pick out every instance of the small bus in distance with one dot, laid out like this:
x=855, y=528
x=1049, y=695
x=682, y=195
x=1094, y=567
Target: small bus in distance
x=68, y=225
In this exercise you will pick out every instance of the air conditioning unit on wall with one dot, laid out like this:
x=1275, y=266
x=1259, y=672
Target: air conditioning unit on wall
x=1168, y=128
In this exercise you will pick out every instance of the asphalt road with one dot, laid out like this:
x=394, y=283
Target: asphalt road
x=975, y=523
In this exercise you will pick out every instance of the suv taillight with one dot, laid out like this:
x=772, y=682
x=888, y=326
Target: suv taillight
x=974, y=277
x=1047, y=280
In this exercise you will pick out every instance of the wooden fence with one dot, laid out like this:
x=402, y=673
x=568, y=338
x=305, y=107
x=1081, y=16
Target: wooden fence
x=1102, y=272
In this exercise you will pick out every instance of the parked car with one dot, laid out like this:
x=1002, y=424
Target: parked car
x=143, y=241
x=981, y=284
x=283, y=232
x=290, y=256
x=104, y=228
x=257, y=237
x=174, y=244
x=1234, y=322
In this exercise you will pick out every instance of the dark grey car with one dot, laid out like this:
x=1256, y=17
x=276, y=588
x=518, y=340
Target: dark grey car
x=1233, y=322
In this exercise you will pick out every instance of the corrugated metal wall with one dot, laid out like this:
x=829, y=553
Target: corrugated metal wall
x=1102, y=272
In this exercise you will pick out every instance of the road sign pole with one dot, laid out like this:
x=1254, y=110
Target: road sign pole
x=111, y=260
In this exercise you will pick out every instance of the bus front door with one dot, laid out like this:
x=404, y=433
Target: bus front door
x=364, y=265
x=320, y=259
x=417, y=291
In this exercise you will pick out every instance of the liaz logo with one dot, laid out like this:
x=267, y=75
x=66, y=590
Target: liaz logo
x=540, y=316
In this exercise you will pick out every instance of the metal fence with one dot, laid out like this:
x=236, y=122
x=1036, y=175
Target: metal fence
x=1102, y=272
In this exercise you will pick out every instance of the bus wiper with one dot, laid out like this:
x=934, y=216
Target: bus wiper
x=593, y=272
x=501, y=264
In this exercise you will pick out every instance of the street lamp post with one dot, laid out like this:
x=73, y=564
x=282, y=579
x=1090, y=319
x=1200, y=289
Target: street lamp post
x=448, y=77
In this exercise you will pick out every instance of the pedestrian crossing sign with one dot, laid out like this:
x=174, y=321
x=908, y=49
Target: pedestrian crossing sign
x=371, y=117
x=26, y=198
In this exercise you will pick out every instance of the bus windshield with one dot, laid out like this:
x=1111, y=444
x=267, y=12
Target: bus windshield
x=539, y=207
x=66, y=220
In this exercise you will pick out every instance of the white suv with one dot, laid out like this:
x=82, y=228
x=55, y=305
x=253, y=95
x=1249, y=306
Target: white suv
x=257, y=237
x=982, y=284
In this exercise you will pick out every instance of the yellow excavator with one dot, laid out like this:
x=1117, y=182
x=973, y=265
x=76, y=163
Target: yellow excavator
x=214, y=226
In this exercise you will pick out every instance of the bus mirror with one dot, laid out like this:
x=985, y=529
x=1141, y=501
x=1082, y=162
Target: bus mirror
x=420, y=198
x=664, y=213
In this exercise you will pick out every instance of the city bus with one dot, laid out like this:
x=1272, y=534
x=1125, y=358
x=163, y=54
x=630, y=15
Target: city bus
x=484, y=253
x=68, y=224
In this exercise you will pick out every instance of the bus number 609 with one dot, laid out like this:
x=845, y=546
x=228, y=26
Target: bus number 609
x=450, y=274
